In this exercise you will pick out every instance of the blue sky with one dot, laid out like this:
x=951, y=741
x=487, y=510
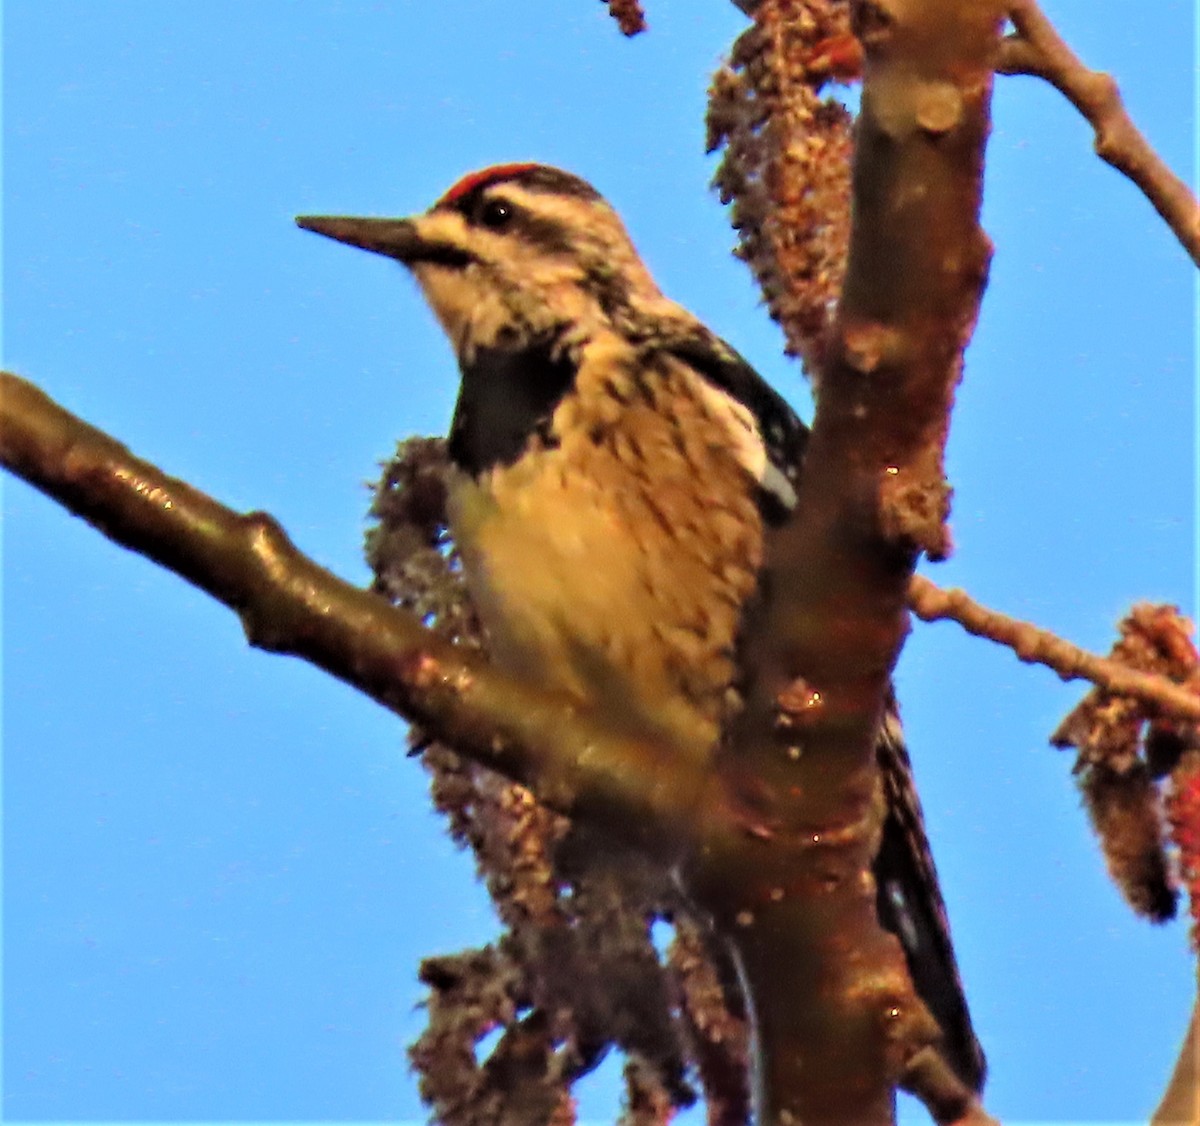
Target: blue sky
x=219, y=868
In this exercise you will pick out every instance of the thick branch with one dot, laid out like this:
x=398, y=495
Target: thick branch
x=1038, y=646
x=1037, y=49
x=835, y=1015
x=288, y=604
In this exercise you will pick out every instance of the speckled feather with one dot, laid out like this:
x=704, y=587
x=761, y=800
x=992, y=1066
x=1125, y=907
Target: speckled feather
x=598, y=564
x=619, y=471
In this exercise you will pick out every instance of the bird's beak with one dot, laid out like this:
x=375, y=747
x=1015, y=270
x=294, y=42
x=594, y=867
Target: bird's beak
x=395, y=238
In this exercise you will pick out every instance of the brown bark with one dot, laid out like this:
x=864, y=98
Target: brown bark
x=834, y=1015
x=288, y=604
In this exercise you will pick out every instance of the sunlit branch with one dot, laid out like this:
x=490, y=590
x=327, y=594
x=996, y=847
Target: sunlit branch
x=1036, y=48
x=288, y=604
x=836, y=1038
x=1034, y=645
x=1181, y=1100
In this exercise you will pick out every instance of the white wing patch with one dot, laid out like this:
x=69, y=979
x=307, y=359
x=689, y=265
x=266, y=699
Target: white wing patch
x=746, y=441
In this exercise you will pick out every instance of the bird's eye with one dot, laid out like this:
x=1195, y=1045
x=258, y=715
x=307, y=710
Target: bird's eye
x=496, y=214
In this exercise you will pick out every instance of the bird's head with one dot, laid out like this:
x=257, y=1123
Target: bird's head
x=514, y=252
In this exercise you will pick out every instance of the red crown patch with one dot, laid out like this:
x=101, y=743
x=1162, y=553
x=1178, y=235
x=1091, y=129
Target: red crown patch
x=473, y=180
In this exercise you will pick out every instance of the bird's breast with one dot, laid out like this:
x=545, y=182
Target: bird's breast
x=613, y=562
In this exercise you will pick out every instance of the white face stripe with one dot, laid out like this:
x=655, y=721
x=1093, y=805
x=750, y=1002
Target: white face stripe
x=566, y=260
x=442, y=226
x=594, y=230
x=544, y=203
x=745, y=440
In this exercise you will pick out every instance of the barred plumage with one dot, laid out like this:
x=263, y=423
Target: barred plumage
x=619, y=469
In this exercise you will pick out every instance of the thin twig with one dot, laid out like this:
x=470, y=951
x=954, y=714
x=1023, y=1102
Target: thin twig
x=1180, y=1104
x=1038, y=646
x=1036, y=49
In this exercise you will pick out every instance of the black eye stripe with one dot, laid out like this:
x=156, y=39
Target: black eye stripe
x=547, y=235
x=504, y=216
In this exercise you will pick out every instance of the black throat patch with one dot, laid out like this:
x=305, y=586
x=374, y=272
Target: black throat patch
x=506, y=397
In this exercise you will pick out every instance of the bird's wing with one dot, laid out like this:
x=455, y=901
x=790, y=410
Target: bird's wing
x=777, y=427
x=909, y=902
x=909, y=897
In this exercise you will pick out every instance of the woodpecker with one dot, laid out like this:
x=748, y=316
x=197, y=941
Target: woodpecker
x=618, y=469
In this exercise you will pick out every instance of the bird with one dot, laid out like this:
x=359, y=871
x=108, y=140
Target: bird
x=617, y=472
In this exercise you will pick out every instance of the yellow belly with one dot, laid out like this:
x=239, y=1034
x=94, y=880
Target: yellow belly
x=619, y=586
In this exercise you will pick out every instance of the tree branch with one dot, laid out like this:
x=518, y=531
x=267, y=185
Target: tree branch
x=836, y=1019
x=1180, y=1105
x=1034, y=645
x=288, y=604
x=1036, y=49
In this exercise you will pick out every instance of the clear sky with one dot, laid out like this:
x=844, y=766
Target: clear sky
x=219, y=867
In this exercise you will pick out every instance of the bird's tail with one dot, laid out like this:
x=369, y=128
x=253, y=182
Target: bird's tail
x=910, y=905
